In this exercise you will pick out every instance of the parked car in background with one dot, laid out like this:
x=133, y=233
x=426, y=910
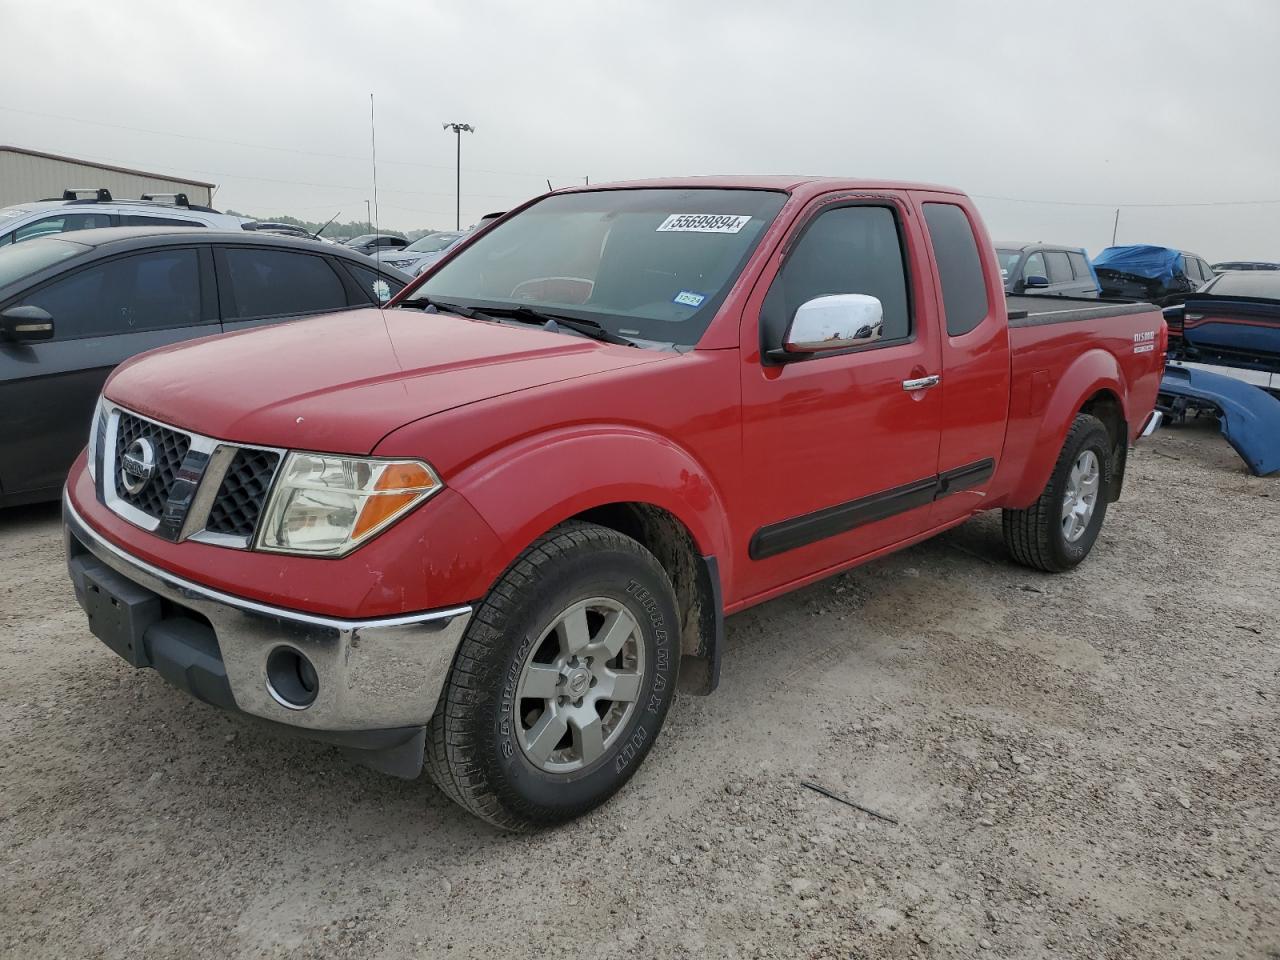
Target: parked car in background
x=1224, y=359
x=495, y=535
x=73, y=307
x=1234, y=321
x=1142, y=271
x=283, y=229
x=374, y=243
x=1239, y=265
x=42, y=218
x=422, y=252
x=1046, y=270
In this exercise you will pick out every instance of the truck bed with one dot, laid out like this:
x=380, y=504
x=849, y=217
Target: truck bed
x=1035, y=311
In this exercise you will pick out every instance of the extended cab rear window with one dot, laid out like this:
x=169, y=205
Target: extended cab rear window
x=964, y=285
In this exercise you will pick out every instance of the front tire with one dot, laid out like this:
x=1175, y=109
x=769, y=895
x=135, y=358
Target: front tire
x=1059, y=529
x=562, y=681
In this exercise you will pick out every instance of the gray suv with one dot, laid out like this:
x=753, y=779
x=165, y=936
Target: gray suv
x=1045, y=269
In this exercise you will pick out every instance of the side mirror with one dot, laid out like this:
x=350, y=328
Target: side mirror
x=835, y=322
x=1037, y=282
x=26, y=324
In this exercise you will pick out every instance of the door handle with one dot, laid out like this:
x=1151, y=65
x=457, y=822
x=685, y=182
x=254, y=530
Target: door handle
x=923, y=383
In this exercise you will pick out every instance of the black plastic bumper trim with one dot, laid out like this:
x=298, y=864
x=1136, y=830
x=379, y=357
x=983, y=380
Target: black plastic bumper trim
x=809, y=528
x=134, y=623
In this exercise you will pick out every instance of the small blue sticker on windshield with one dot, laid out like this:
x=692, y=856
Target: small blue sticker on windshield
x=689, y=298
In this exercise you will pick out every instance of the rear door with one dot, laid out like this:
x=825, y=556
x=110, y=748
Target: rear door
x=1062, y=281
x=262, y=285
x=975, y=354
x=1086, y=283
x=103, y=313
x=841, y=452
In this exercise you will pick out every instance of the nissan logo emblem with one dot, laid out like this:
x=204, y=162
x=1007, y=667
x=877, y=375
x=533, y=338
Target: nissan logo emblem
x=137, y=466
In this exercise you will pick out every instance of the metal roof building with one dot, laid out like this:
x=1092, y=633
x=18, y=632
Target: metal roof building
x=27, y=175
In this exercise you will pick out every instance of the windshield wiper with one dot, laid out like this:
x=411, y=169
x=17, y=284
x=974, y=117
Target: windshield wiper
x=441, y=307
x=588, y=328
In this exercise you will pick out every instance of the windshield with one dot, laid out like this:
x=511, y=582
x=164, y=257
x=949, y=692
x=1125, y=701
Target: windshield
x=646, y=264
x=20, y=260
x=431, y=243
x=1008, y=260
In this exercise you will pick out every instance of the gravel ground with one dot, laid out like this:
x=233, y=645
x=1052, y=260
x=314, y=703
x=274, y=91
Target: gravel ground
x=1085, y=765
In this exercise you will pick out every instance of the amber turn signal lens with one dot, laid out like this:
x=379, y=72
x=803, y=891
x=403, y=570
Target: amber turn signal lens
x=405, y=476
x=378, y=510
x=398, y=486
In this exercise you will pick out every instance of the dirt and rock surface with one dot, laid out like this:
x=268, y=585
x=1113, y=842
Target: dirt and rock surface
x=1085, y=765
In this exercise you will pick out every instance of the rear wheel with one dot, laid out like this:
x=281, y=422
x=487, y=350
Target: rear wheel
x=561, y=683
x=1059, y=529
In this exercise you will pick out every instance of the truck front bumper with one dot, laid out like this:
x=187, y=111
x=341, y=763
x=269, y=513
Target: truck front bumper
x=369, y=686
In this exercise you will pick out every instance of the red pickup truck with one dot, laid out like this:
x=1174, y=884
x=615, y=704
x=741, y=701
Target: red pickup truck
x=488, y=527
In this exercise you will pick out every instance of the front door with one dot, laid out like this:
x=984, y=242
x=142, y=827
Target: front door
x=102, y=315
x=841, y=450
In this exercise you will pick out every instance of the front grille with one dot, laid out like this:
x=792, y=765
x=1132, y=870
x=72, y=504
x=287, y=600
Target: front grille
x=171, y=448
x=243, y=493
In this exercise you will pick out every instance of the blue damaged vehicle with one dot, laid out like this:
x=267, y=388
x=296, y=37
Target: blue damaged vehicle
x=1224, y=360
x=1159, y=275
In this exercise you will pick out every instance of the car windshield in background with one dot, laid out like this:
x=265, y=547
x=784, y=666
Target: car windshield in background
x=431, y=243
x=1008, y=260
x=20, y=260
x=1261, y=284
x=645, y=264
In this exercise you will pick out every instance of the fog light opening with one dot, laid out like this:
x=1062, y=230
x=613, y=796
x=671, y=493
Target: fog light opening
x=291, y=678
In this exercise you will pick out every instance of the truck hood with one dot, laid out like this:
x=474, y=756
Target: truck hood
x=341, y=382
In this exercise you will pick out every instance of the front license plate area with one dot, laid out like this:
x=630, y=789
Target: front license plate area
x=119, y=612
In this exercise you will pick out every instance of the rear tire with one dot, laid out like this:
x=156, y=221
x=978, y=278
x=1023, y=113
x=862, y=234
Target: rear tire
x=1059, y=529
x=561, y=683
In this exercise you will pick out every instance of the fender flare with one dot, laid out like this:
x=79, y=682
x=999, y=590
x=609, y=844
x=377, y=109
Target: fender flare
x=1094, y=371
x=525, y=489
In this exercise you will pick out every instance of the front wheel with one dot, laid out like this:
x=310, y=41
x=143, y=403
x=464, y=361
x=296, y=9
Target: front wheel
x=1058, y=530
x=561, y=683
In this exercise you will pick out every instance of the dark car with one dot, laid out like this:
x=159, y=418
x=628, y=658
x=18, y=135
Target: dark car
x=1234, y=266
x=1046, y=269
x=375, y=243
x=72, y=307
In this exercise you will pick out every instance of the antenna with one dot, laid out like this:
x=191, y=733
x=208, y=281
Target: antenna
x=316, y=235
x=550, y=188
x=1115, y=226
x=373, y=148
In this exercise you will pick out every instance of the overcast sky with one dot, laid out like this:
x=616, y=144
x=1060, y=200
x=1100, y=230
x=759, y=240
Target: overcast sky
x=1104, y=103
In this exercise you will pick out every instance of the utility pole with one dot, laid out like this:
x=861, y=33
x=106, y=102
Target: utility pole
x=458, y=129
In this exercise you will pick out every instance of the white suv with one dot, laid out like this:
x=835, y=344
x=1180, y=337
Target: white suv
x=41, y=218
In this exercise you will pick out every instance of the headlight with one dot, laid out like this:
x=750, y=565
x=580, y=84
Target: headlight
x=95, y=425
x=326, y=505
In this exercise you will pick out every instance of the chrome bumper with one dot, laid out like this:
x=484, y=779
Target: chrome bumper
x=1152, y=424
x=373, y=674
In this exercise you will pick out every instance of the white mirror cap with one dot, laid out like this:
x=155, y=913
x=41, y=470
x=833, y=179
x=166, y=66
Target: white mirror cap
x=836, y=322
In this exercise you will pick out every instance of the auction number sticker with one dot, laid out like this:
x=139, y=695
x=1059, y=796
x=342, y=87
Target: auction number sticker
x=702, y=223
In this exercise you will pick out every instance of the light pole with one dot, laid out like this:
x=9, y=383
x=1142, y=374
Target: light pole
x=368, y=218
x=458, y=128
